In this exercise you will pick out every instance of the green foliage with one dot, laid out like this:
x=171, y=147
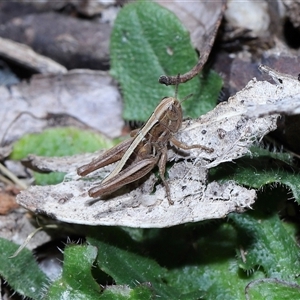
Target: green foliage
x=260, y=290
x=148, y=41
x=58, y=142
x=76, y=281
x=214, y=260
x=261, y=168
x=21, y=272
x=129, y=268
x=119, y=292
x=270, y=243
x=253, y=255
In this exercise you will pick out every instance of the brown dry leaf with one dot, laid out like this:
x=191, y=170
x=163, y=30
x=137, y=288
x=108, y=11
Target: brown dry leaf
x=228, y=129
x=89, y=97
x=7, y=202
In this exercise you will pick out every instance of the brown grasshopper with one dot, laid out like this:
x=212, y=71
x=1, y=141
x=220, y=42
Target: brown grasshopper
x=143, y=151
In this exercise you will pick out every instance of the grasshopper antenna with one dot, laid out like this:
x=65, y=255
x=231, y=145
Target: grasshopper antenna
x=186, y=97
x=176, y=90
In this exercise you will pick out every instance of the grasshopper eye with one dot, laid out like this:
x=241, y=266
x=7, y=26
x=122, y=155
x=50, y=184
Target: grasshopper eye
x=171, y=115
x=174, y=112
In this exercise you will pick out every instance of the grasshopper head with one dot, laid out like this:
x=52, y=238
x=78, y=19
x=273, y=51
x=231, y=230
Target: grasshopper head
x=169, y=113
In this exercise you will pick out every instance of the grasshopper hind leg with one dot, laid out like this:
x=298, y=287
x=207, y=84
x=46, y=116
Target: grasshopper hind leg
x=162, y=169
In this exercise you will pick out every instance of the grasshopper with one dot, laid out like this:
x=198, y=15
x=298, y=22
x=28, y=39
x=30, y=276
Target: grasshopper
x=146, y=148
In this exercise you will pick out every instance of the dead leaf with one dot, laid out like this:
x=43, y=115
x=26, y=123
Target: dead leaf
x=228, y=129
x=17, y=226
x=286, y=100
x=87, y=7
x=252, y=15
x=90, y=97
x=90, y=7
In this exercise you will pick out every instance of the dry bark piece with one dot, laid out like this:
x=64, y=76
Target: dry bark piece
x=72, y=42
x=58, y=164
x=90, y=7
x=228, y=129
x=27, y=58
x=91, y=97
x=86, y=7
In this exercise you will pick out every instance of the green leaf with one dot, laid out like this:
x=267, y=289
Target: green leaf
x=58, y=142
x=212, y=267
x=266, y=289
x=128, y=268
x=124, y=292
x=147, y=41
x=21, y=272
x=76, y=281
x=268, y=243
x=260, y=170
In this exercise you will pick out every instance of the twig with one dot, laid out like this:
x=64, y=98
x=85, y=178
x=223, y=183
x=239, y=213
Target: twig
x=12, y=177
x=173, y=80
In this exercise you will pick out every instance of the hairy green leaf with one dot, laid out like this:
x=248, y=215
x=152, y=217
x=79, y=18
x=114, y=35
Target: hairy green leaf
x=21, y=272
x=131, y=269
x=147, y=41
x=260, y=169
x=266, y=242
x=58, y=142
x=76, y=281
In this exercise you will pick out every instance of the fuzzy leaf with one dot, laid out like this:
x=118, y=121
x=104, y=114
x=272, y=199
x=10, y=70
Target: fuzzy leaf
x=147, y=41
x=266, y=240
x=21, y=272
x=212, y=264
x=272, y=289
x=129, y=268
x=76, y=281
x=58, y=142
x=124, y=292
x=126, y=267
x=263, y=168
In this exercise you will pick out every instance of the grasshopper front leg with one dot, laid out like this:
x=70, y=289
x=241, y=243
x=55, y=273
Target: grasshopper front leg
x=108, y=157
x=132, y=173
x=189, y=147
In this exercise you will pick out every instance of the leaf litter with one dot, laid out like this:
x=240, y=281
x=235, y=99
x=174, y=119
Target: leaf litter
x=30, y=107
x=230, y=129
